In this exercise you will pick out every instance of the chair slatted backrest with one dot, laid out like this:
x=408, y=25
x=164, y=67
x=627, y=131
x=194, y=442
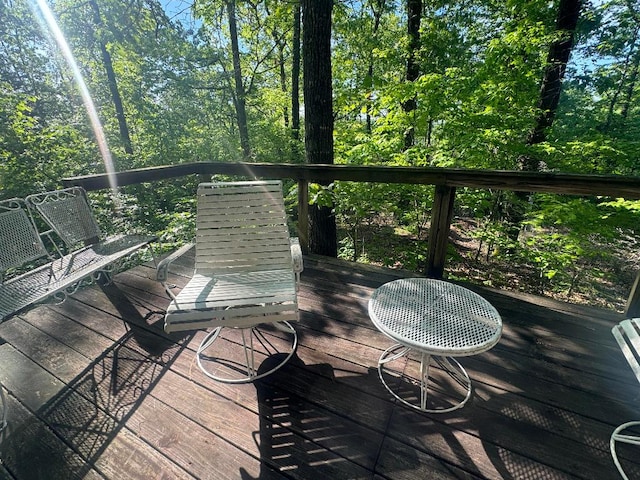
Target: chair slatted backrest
x=627, y=334
x=20, y=242
x=68, y=213
x=241, y=226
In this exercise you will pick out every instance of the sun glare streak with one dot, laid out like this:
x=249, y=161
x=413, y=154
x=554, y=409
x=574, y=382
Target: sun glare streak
x=96, y=125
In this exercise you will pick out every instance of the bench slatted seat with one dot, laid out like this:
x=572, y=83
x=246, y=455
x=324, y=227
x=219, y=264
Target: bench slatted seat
x=244, y=268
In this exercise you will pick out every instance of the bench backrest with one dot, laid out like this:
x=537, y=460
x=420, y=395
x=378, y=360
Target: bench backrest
x=20, y=241
x=241, y=226
x=68, y=213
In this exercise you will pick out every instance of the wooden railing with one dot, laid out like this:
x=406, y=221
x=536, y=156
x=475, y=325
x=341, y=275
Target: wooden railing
x=445, y=181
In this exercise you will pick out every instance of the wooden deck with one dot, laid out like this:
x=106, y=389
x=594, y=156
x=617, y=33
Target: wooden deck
x=97, y=390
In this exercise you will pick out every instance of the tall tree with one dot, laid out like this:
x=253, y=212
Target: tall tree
x=240, y=93
x=318, y=113
x=377, y=9
x=414, y=14
x=547, y=105
x=551, y=86
x=621, y=98
x=112, y=81
x=295, y=74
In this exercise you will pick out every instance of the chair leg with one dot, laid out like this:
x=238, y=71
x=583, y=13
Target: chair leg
x=249, y=353
x=617, y=436
x=244, y=371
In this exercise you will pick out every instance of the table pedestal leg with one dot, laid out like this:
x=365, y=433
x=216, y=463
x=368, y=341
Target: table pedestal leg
x=425, y=360
x=449, y=365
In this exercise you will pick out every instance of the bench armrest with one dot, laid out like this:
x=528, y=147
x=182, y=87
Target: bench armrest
x=162, y=270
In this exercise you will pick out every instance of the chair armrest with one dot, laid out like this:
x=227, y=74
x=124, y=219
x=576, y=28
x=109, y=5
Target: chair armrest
x=162, y=270
x=626, y=334
x=296, y=254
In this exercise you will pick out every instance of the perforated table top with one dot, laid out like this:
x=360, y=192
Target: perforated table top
x=435, y=317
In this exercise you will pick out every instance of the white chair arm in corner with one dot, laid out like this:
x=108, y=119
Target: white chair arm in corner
x=296, y=255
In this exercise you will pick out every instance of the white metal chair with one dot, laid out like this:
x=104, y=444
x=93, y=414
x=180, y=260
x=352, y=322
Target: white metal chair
x=627, y=334
x=246, y=275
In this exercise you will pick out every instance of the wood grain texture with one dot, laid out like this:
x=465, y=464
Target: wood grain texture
x=96, y=389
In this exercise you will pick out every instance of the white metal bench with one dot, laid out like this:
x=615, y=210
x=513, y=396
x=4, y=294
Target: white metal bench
x=627, y=334
x=246, y=271
x=30, y=273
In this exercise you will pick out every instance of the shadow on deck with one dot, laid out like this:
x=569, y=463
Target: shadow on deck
x=97, y=390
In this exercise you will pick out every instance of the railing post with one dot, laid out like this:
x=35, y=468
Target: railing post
x=441, y=214
x=632, y=309
x=303, y=215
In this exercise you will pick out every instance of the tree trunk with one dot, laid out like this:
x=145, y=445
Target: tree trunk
x=113, y=83
x=559, y=52
x=377, y=7
x=240, y=94
x=279, y=42
x=318, y=113
x=414, y=15
x=633, y=79
x=295, y=77
x=616, y=94
x=550, y=88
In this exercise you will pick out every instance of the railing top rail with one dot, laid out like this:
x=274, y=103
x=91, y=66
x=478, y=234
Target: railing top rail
x=550, y=182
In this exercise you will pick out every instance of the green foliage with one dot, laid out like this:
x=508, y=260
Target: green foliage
x=565, y=239
x=34, y=155
x=481, y=65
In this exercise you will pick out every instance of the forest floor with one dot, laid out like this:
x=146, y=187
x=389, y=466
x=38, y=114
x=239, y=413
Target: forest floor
x=604, y=283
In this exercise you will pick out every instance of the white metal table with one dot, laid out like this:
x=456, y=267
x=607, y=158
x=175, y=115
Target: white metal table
x=432, y=321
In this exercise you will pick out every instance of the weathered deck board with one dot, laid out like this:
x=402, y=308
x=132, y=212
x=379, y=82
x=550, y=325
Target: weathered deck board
x=97, y=390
